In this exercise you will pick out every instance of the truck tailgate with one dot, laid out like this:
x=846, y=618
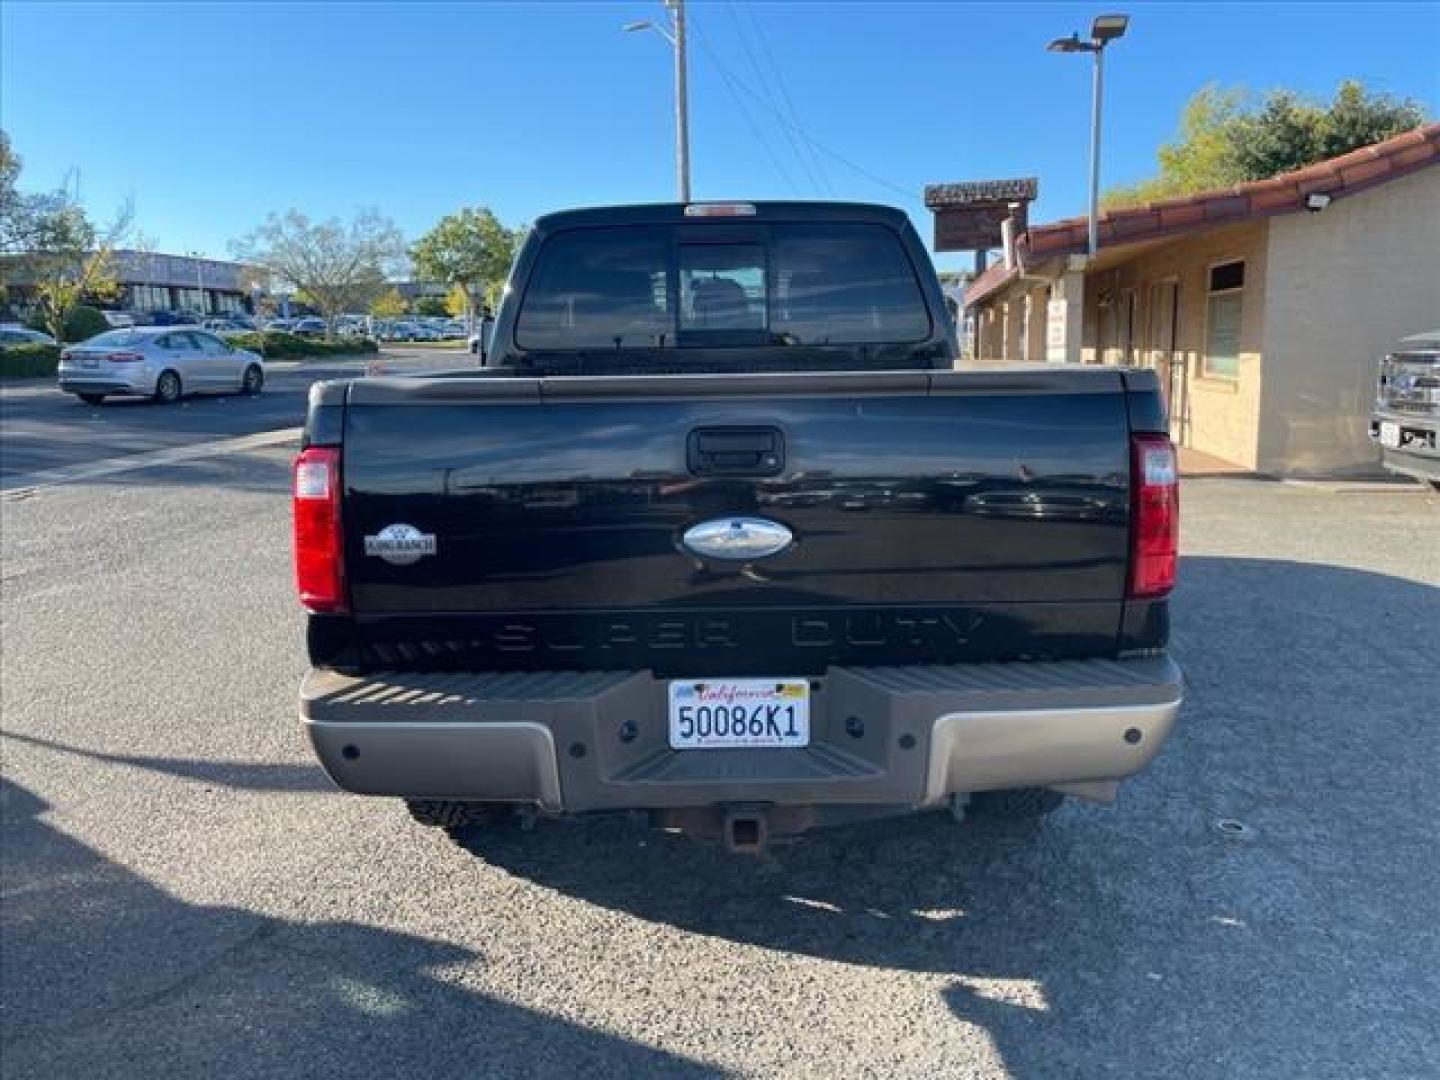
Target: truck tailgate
x=936, y=516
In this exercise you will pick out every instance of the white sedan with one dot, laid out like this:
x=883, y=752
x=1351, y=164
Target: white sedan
x=160, y=362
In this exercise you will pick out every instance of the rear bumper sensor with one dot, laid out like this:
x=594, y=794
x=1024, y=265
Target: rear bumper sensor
x=578, y=742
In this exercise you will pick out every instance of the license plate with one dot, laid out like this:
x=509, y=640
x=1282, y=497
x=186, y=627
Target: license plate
x=1389, y=434
x=89, y=361
x=711, y=714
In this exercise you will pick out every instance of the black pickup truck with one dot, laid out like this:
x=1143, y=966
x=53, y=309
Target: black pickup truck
x=721, y=534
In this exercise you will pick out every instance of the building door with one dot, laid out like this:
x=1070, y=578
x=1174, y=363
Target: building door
x=1166, y=359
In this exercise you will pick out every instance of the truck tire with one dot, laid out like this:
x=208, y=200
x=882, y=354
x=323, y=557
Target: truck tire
x=452, y=814
x=1015, y=804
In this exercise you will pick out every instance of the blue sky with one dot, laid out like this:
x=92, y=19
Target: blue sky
x=211, y=115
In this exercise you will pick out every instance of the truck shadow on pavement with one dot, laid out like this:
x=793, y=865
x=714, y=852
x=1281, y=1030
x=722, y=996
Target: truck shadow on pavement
x=1147, y=939
x=103, y=973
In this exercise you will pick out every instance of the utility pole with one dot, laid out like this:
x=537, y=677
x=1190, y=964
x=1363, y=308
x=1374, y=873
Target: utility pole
x=682, y=103
x=675, y=35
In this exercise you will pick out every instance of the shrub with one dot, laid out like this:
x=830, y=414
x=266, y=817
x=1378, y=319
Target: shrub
x=28, y=361
x=83, y=323
x=277, y=345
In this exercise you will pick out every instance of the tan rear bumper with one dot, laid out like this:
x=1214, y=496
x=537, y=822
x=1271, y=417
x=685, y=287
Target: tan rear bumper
x=576, y=742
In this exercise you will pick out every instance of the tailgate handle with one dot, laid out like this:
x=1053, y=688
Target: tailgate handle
x=735, y=451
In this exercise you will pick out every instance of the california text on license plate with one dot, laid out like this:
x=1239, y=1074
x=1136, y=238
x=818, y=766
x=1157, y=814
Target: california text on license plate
x=707, y=714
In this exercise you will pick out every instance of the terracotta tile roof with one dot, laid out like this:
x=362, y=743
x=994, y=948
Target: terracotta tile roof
x=996, y=276
x=1284, y=194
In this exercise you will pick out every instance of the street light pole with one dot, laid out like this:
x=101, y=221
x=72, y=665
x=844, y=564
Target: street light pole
x=1096, y=98
x=200, y=280
x=676, y=37
x=682, y=104
x=1105, y=29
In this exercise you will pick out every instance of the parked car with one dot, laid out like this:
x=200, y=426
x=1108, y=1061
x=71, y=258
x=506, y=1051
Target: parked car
x=163, y=363
x=575, y=578
x=118, y=320
x=223, y=326
x=352, y=327
x=17, y=334
x=1406, y=417
x=281, y=325
x=309, y=328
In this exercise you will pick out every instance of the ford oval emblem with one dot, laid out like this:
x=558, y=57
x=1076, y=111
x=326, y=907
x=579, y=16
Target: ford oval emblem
x=738, y=538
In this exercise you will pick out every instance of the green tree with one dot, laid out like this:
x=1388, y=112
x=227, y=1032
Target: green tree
x=1358, y=118
x=457, y=302
x=82, y=323
x=1198, y=159
x=334, y=266
x=431, y=307
x=1267, y=142
x=1227, y=137
x=48, y=242
x=469, y=248
x=388, y=305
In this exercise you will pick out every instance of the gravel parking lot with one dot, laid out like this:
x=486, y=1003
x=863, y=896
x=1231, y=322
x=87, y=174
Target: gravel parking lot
x=185, y=895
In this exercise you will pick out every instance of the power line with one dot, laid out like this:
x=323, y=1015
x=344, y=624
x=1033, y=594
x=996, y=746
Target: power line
x=796, y=146
x=912, y=196
x=779, y=76
x=731, y=84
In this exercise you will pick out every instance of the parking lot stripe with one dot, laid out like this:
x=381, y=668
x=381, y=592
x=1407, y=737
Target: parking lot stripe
x=26, y=484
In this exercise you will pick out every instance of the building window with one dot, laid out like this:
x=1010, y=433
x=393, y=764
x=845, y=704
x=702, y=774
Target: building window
x=1223, y=309
x=149, y=298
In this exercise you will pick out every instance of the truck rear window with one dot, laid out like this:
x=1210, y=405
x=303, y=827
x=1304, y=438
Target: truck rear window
x=793, y=284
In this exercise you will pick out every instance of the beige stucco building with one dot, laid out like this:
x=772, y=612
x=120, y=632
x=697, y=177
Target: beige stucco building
x=1263, y=307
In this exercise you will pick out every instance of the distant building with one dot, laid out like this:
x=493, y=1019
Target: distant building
x=416, y=290
x=1262, y=307
x=151, y=281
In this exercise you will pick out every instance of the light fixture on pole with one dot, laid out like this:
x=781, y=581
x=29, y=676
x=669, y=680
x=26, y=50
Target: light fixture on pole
x=1105, y=29
x=676, y=37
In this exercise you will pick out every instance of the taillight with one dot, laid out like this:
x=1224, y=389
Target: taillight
x=319, y=562
x=124, y=357
x=66, y=356
x=729, y=209
x=1155, y=516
